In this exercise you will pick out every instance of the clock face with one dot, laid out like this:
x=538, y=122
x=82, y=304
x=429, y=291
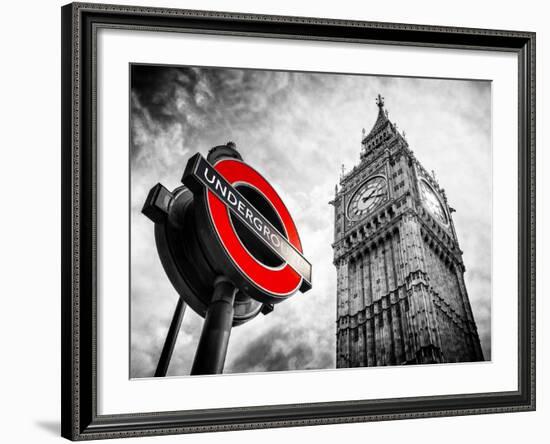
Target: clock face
x=367, y=197
x=432, y=202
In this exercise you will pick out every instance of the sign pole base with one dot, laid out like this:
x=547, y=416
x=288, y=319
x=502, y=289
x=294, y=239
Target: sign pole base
x=212, y=348
x=170, y=342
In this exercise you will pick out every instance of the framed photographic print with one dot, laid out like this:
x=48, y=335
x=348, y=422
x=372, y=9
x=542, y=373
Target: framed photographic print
x=279, y=221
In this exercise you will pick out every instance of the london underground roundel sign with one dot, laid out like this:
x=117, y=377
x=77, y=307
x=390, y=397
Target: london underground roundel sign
x=247, y=231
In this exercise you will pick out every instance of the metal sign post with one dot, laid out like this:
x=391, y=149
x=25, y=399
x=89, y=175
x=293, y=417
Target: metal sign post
x=212, y=348
x=170, y=342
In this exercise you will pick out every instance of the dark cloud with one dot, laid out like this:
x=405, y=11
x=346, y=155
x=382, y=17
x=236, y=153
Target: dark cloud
x=297, y=128
x=278, y=350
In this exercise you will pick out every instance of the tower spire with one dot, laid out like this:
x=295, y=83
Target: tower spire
x=381, y=120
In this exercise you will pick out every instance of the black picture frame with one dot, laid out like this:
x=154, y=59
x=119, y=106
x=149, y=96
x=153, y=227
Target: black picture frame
x=78, y=332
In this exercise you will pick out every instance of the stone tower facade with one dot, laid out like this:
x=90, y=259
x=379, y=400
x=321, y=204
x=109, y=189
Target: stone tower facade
x=401, y=296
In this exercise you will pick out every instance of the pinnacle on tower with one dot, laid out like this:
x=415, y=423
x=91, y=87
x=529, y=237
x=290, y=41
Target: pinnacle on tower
x=381, y=120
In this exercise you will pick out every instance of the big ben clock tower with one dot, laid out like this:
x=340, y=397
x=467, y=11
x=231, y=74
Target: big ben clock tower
x=401, y=296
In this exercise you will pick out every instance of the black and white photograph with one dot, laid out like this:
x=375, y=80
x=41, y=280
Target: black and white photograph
x=364, y=202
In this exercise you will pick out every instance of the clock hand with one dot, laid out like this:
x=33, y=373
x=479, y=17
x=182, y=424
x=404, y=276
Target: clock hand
x=371, y=195
x=368, y=197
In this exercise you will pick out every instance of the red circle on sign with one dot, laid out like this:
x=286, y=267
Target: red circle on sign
x=281, y=281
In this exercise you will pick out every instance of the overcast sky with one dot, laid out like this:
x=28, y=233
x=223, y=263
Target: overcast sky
x=297, y=129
